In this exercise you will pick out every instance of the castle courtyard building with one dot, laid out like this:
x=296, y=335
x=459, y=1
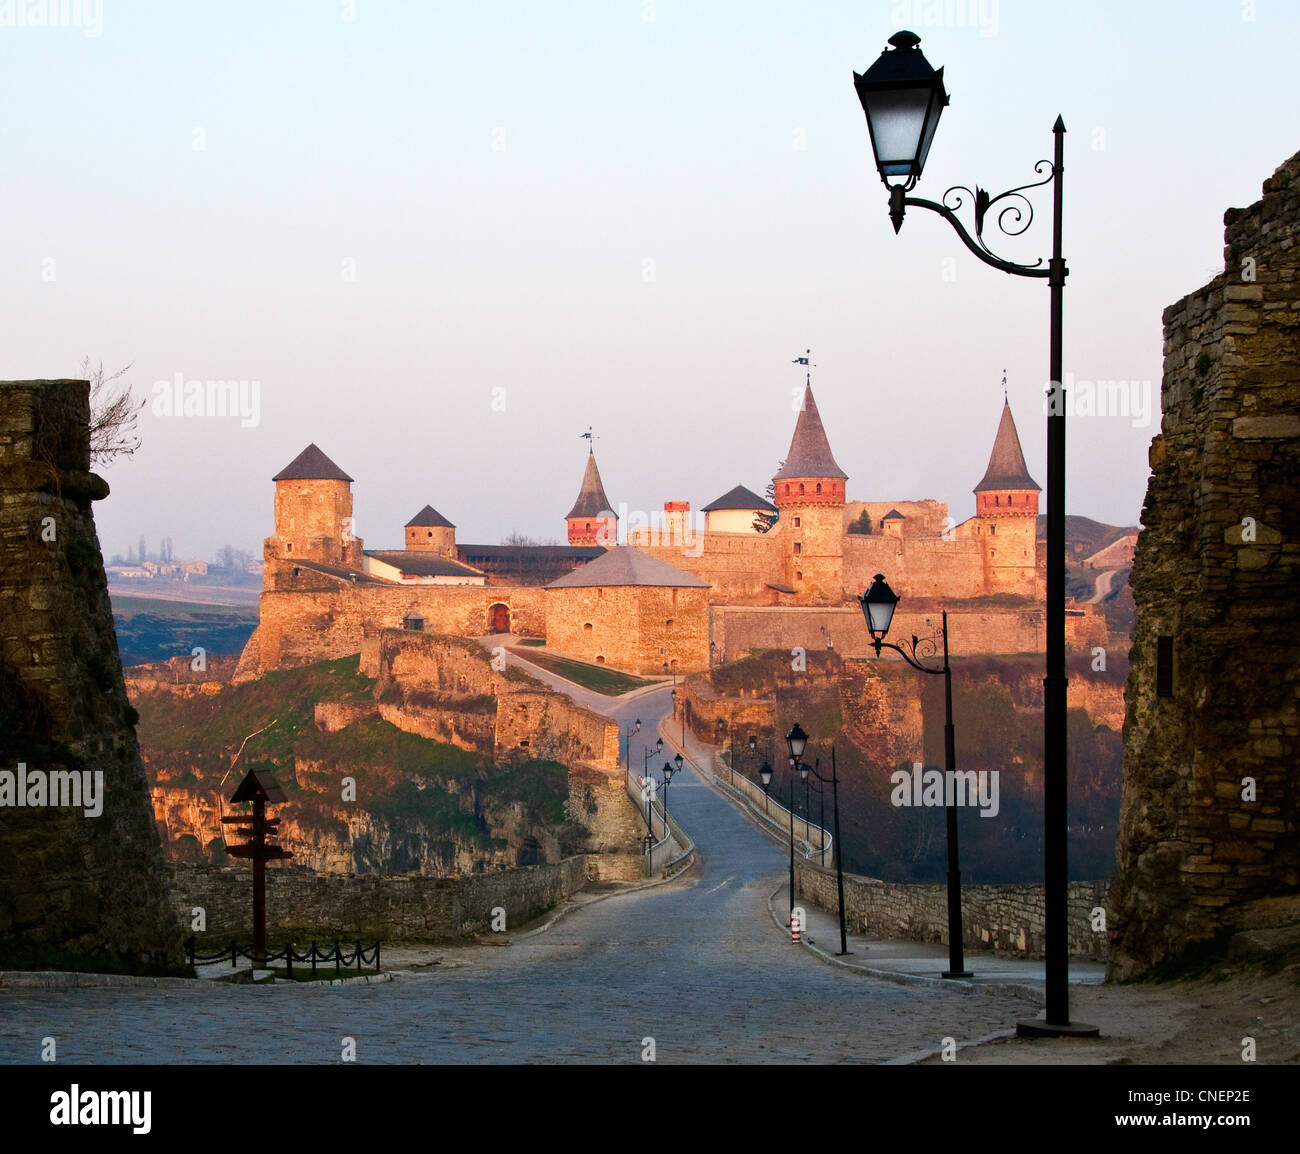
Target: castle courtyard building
x=632, y=611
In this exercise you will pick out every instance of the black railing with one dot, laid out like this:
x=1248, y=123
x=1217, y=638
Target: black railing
x=356, y=958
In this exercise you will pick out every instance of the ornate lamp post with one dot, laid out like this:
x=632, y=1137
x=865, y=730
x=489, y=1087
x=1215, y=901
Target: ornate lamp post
x=903, y=98
x=765, y=776
x=649, y=753
x=878, y=604
x=668, y=771
x=804, y=770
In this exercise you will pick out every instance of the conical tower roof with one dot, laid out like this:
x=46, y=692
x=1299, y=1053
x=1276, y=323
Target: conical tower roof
x=591, y=501
x=810, y=452
x=429, y=518
x=1007, y=469
x=311, y=465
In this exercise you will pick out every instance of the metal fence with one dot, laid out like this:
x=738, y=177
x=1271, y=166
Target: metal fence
x=357, y=958
x=811, y=840
x=672, y=850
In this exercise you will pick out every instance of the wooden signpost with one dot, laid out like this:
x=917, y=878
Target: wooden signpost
x=260, y=788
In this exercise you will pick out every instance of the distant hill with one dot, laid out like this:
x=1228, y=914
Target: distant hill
x=1084, y=536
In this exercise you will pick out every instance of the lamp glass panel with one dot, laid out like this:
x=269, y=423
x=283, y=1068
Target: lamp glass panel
x=881, y=613
x=898, y=126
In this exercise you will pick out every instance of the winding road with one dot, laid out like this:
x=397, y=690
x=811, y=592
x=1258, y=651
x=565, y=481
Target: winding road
x=691, y=971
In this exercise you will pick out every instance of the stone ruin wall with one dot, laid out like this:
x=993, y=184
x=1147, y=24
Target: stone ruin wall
x=420, y=677
x=1195, y=857
x=85, y=883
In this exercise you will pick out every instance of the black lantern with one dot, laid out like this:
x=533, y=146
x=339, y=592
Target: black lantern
x=903, y=98
x=659, y=745
x=878, y=604
x=797, y=740
x=677, y=761
x=638, y=725
x=668, y=772
x=765, y=776
x=753, y=743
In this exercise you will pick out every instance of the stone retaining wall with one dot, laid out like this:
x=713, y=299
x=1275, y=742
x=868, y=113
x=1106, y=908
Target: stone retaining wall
x=1005, y=918
x=304, y=906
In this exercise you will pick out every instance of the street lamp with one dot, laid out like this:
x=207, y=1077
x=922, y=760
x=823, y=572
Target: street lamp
x=628, y=735
x=668, y=772
x=649, y=753
x=878, y=604
x=903, y=98
x=765, y=776
x=804, y=770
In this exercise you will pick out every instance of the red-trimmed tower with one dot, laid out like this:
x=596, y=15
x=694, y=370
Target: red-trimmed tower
x=809, y=493
x=592, y=520
x=1006, y=508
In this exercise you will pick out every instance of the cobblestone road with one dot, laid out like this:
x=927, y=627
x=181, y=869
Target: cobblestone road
x=699, y=967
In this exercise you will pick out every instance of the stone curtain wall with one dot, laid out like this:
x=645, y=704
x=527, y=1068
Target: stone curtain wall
x=304, y=906
x=736, y=629
x=737, y=565
x=1008, y=919
x=928, y=567
x=1215, y=574
x=91, y=883
x=298, y=628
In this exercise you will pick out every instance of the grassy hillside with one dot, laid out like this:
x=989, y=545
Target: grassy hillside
x=422, y=790
x=1084, y=536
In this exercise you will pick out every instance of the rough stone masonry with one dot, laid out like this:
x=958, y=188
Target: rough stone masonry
x=69, y=876
x=1208, y=829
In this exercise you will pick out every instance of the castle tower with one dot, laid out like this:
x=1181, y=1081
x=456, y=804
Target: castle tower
x=809, y=493
x=592, y=520
x=1006, y=508
x=313, y=517
x=430, y=532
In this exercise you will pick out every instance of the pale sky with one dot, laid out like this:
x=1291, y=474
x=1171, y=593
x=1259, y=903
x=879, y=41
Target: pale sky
x=446, y=238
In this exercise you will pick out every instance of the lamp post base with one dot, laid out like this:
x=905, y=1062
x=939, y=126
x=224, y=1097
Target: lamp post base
x=1040, y=1028
x=957, y=974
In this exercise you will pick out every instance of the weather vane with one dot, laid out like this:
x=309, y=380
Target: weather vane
x=806, y=360
x=1004, y=387
x=589, y=437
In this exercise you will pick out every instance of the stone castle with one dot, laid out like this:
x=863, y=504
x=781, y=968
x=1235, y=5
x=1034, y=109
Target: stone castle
x=669, y=598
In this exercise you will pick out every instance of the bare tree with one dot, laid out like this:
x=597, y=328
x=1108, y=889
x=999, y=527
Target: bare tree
x=114, y=412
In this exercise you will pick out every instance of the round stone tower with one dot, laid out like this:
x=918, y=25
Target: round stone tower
x=809, y=493
x=313, y=518
x=592, y=520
